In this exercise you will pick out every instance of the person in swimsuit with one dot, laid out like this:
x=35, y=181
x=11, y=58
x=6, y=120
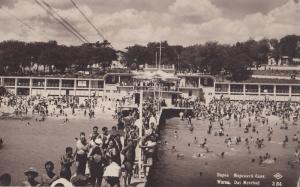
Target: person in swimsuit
x=66, y=162
x=49, y=177
x=81, y=153
x=129, y=158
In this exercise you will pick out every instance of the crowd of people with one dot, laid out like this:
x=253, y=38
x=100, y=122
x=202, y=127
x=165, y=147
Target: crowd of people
x=250, y=117
x=128, y=149
x=112, y=154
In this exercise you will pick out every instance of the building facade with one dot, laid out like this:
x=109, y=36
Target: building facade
x=118, y=85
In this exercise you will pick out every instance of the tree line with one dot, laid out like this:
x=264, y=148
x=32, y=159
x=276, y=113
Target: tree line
x=232, y=60
x=17, y=56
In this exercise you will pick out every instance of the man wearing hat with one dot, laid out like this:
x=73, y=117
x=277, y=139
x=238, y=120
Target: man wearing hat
x=96, y=163
x=31, y=174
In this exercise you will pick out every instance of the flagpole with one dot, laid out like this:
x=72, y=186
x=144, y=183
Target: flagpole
x=160, y=56
x=156, y=60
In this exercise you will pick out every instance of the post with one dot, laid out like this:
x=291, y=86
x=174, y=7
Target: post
x=90, y=83
x=140, y=153
x=16, y=85
x=59, y=86
x=290, y=91
x=156, y=60
x=75, y=86
x=274, y=90
x=45, y=84
x=30, y=86
x=160, y=47
x=160, y=55
x=154, y=91
x=45, y=87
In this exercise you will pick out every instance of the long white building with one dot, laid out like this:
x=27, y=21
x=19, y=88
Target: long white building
x=118, y=85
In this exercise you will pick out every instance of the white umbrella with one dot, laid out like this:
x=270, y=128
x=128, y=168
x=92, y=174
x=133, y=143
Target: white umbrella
x=159, y=74
x=143, y=75
x=164, y=75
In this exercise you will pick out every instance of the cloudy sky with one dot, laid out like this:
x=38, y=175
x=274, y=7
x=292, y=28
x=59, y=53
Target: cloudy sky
x=129, y=22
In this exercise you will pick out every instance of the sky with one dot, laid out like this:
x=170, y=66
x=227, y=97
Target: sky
x=128, y=22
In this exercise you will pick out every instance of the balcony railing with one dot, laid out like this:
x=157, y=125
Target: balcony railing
x=82, y=86
x=252, y=90
x=236, y=90
x=67, y=85
x=96, y=86
x=163, y=67
x=126, y=84
x=282, y=91
x=156, y=89
x=52, y=85
x=38, y=84
x=170, y=89
x=23, y=83
x=221, y=89
x=9, y=83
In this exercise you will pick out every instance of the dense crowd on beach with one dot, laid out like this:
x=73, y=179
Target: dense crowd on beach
x=109, y=154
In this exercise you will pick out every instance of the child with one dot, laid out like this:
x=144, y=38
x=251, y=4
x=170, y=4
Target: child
x=66, y=162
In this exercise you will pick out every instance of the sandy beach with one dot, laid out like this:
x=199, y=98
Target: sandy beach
x=26, y=146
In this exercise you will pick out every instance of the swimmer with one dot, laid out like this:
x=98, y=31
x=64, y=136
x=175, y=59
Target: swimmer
x=197, y=155
x=1, y=142
x=175, y=134
x=222, y=154
x=207, y=149
x=173, y=148
x=195, y=140
x=180, y=155
x=190, y=120
x=181, y=116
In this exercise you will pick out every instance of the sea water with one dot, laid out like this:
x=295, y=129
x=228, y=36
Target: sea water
x=184, y=167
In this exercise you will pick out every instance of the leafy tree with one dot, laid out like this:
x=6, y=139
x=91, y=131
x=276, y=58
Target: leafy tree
x=289, y=45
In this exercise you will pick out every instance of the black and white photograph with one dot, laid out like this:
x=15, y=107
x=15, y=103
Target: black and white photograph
x=150, y=93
